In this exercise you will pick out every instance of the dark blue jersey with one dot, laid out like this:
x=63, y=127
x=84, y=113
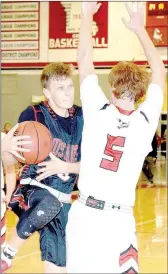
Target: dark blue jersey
x=67, y=135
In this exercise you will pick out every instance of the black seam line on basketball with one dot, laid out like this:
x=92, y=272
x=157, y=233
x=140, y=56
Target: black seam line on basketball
x=22, y=152
x=28, y=122
x=38, y=141
x=51, y=143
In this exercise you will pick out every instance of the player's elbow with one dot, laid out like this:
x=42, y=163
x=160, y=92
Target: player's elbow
x=162, y=72
x=159, y=70
x=80, y=57
x=159, y=77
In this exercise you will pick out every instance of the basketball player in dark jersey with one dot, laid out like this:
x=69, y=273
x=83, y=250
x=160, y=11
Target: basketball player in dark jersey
x=43, y=206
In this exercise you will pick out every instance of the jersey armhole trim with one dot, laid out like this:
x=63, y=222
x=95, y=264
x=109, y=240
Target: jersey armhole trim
x=35, y=112
x=146, y=118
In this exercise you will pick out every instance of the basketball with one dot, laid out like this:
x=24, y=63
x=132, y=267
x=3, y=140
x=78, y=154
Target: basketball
x=41, y=144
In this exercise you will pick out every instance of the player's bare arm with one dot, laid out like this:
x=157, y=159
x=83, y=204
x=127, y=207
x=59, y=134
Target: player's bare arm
x=56, y=166
x=136, y=24
x=11, y=145
x=85, y=48
x=10, y=181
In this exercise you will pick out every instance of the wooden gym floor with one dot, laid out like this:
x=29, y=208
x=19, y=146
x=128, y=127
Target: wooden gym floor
x=151, y=220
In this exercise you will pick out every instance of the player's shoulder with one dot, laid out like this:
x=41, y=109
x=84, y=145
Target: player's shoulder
x=89, y=80
x=76, y=111
x=155, y=92
x=29, y=114
x=153, y=86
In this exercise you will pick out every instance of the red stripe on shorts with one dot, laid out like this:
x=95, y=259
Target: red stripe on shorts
x=3, y=237
x=131, y=270
x=3, y=221
x=131, y=252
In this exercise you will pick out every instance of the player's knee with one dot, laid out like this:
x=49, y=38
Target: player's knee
x=45, y=211
x=25, y=228
x=36, y=218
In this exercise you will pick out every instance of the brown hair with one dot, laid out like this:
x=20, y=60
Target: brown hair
x=55, y=70
x=127, y=77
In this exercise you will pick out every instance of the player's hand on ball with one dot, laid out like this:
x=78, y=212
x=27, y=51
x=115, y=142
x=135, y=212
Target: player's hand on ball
x=136, y=13
x=52, y=167
x=90, y=7
x=11, y=145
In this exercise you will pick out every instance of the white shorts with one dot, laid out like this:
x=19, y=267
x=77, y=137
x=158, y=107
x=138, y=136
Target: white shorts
x=3, y=220
x=100, y=241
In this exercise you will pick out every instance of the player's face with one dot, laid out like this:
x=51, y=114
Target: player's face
x=62, y=92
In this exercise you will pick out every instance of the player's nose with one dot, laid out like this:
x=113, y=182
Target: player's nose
x=67, y=92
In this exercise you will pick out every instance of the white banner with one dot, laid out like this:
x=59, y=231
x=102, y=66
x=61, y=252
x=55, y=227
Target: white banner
x=21, y=35
x=19, y=16
x=20, y=30
x=19, y=26
x=22, y=55
x=19, y=45
x=19, y=6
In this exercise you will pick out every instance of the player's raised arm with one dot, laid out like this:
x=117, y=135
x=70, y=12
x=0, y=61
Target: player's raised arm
x=154, y=100
x=85, y=48
x=91, y=94
x=10, y=180
x=136, y=24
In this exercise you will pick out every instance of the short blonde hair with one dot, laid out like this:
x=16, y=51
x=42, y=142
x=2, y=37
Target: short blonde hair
x=127, y=76
x=55, y=70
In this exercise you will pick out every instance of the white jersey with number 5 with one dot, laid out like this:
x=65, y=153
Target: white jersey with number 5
x=115, y=143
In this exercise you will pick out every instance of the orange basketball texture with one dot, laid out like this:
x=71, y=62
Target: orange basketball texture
x=41, y=145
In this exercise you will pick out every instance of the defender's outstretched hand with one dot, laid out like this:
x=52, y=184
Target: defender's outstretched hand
x=136, y=13
x=90, y=7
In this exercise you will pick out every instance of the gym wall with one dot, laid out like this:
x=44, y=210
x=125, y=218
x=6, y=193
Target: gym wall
x=23, y=60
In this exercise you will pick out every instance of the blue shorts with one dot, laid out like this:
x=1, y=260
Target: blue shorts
x=52, y=236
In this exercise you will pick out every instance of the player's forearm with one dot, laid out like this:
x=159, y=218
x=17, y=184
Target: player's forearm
x=73, y=168
x=10, y=181
x=7, y=158
x=85, y=47
x=85, y=37
x=154, y=60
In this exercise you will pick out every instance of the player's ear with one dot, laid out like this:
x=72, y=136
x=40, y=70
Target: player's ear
x=46, y=93
x=112, y=96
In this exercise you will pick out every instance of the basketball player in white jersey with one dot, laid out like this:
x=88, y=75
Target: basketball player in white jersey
x=116, y=139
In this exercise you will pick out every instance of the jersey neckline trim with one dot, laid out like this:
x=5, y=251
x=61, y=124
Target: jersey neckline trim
x=125, y=112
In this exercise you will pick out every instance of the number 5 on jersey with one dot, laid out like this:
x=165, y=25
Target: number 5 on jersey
x=116, y=155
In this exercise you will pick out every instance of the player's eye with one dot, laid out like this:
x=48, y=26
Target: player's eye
x=60, y=88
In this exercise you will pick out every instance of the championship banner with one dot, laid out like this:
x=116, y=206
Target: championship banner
x=20, y=30
x=157, y=22
x=64, y=25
